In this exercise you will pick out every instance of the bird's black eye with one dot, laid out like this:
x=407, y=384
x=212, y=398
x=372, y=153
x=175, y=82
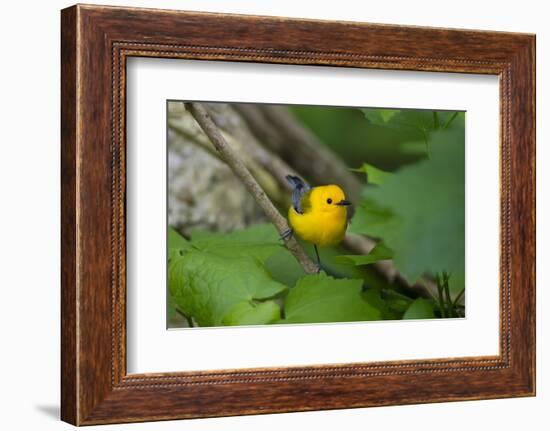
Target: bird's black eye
x=329, y=201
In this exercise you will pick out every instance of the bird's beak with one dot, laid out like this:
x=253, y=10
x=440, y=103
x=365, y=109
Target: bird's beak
x=343, y=203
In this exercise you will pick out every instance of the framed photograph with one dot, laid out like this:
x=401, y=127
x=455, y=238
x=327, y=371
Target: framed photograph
x=264, y=214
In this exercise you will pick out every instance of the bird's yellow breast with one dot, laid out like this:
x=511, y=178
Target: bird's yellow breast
x=321, y=229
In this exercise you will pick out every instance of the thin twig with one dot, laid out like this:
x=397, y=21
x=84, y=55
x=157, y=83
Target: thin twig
x=237, y=166
x=459, y=297
x=447, y=294
x=450, y=120
x=442, y=308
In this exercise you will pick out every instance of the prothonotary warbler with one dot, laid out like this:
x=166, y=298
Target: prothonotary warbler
x=318, y=215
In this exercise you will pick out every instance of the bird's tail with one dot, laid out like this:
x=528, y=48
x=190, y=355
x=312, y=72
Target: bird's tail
x=299, y=188
x=296, y=182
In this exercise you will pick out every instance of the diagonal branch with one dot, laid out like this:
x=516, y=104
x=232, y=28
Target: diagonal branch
x=237, y=166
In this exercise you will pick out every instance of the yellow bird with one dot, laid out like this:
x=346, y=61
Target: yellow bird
x=318, y=215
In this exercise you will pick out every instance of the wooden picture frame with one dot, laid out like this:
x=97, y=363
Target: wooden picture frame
x=95, y=43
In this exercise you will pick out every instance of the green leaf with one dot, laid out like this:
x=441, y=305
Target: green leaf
x=420, y=309
x=170, y=307
x=412, y=126
x=175, y=240
x=260, y=251
x=379, y=252
x=368, y=215
x=374, y=175
x=320, y=298
x=177, y=244
x=353, y=138
x=380, y=115
x=414, y=148
x=396, y=302
x=419, y=119
x=387, y=114
x=207, y=286
x=374, y=297
x=251, y=313
x=419, y=211
x=284, y=268
x=260, y=241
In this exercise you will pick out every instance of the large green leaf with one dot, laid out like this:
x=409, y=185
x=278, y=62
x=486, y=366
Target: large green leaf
x=413, y=126
x=379, y=252
x=177, y=244
x=370, y=215
x=175, y=240
x=354, y=138
x=170, y=307
x=396, y=302
x=260, y=241
x=373, y=174
x=253, y=313
x=284, y=267
x=374, y=297
x=320, y=298
x=405, y=119
x=262, y=232
x=420, y=309
x=419, y=211
x=207, y=286
x=381, y=139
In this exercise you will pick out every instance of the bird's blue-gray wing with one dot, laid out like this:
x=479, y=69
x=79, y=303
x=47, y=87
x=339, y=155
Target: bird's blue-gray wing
x=299, y=189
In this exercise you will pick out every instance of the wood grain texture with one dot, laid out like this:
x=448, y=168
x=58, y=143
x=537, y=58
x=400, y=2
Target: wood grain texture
x=69, y=397
x=96, y=41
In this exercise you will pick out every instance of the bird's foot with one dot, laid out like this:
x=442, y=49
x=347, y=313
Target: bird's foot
x=287, y=234
x=319, y=269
